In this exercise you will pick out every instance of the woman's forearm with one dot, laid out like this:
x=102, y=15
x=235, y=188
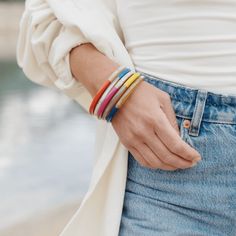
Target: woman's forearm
x=90, y=66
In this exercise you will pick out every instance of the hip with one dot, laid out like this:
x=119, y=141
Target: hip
x=204, y=195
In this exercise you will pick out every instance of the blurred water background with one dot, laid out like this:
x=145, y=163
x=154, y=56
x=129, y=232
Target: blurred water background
x=46, y=142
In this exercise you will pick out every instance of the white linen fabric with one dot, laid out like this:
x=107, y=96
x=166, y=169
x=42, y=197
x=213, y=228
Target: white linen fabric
x=188, y=42
x=49, y=29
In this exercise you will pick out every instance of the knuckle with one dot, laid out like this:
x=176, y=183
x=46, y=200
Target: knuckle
x=166, y=97
x=177, y=147
x=150, y=120
x=168, y=159
x=127, y=142
x=139, y=131
x=159, y=123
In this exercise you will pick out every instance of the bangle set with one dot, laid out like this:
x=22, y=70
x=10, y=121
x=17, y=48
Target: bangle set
x=103, y=88
x=114, y=92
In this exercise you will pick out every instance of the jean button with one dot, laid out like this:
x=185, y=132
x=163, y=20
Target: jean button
x=186, y=124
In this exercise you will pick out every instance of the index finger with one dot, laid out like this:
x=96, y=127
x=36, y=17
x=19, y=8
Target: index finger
x=172, y=140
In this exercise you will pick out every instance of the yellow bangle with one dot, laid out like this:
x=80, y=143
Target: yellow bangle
x=128, y=91
x=131, y=79
x=123, y=98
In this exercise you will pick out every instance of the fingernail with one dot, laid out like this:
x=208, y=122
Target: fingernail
x=198, y=158
x=194, y=164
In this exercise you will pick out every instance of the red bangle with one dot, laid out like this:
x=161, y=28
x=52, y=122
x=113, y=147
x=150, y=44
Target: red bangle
x=103, y=88
x=98, y=95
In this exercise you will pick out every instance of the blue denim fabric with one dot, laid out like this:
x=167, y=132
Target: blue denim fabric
x=196, y=201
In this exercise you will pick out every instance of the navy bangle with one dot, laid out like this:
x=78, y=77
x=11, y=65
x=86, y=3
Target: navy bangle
x=111, y=114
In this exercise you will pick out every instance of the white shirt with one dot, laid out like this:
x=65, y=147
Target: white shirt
x=49, y=29
x=191, y=42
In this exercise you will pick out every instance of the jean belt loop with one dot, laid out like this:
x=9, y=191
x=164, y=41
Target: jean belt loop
x=198, y=112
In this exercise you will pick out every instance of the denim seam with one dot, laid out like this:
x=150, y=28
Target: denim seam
x=208, y=120
x=198, y=113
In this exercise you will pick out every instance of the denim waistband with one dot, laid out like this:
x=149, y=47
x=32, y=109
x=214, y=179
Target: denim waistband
x=188, y=102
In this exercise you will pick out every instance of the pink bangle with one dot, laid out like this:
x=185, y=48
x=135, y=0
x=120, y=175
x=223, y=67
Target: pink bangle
x=112, y=93
x=107, y=100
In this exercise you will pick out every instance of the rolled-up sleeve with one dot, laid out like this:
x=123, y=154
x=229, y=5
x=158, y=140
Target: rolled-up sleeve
x=43, y=49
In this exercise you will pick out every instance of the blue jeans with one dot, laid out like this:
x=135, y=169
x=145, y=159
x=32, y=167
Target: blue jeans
x=196, y=201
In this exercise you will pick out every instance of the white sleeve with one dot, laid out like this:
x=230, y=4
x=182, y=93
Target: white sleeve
x=49, y=29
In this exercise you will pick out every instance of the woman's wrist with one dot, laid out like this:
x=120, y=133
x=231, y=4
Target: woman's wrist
x=114, y=92
x=101, y=78
x=90, y=67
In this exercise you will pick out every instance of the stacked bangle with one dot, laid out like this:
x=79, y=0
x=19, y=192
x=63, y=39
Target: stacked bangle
x=114, y=92
x=106, y=92
x=123, y=99
x=116, y=97
x=103, y=88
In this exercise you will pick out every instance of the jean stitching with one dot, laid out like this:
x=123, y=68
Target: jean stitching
x=198, y=113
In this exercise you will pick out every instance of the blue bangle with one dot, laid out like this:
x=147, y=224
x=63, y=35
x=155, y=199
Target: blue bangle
x=114, y=109
x=124, y=72
x=112, y=113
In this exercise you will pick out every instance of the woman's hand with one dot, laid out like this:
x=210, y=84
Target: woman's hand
x=146, y=125
x=146, y=122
